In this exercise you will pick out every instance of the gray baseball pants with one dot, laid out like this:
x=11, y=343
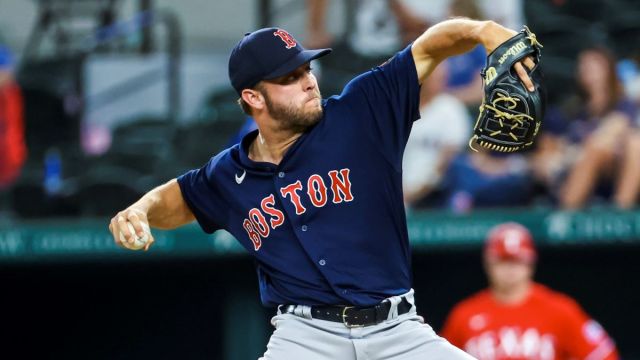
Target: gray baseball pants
x=404, y=337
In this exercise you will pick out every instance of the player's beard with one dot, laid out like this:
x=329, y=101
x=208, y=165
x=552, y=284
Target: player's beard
x=292, y=118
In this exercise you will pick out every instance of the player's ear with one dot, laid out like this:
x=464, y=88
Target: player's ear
x=253, y=98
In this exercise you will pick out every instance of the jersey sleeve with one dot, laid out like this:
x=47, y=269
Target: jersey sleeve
x=385, y=102
x=199, y=192
x=584, y=338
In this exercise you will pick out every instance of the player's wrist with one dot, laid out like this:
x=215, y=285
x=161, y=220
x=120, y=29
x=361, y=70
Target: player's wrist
x=491, y=34
x=140, y=209
x=146, y=204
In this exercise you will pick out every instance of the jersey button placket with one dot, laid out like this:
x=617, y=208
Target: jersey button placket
x=322, y=262
x=281, y=174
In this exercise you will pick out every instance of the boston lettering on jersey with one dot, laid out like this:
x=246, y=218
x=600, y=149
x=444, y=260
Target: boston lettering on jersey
x=256, y=224
x=326, y=225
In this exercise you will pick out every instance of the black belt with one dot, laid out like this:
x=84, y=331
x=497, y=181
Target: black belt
x=352, y=316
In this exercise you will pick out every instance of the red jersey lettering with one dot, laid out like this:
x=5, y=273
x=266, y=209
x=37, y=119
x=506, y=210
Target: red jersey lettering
x=317, y=190
x=291, y=191
x=341, y=187
x=259, y=222
x=253, y=235
x=277, y=217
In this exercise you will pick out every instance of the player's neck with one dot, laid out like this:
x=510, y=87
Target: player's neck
x=271, y=147
x=512, y=295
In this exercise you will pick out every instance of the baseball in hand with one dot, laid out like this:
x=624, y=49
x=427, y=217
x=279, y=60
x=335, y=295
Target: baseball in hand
x=138, y=242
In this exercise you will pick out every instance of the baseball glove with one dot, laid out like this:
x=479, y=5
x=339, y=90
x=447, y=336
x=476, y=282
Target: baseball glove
x=510, y=115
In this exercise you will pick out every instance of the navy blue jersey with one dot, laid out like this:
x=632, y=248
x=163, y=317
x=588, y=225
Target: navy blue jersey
x=327, y=225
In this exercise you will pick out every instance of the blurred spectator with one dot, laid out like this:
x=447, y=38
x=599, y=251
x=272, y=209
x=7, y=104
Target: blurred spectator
x=589, y=147
x=486, y=179
x=509, y=13
x=517, y=318
x=375, y=35
x=442, y=132
x=13, y=151
x=412, y=22
x=317, y=34
x=629, y=72
x=376, y=31
x=96, y=138
x=464, y=80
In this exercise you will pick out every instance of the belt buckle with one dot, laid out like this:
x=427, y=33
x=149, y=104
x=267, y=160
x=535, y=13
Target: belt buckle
x=344, y=318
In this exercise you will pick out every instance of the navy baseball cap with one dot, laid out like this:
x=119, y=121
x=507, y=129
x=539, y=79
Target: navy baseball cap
x=267, y=54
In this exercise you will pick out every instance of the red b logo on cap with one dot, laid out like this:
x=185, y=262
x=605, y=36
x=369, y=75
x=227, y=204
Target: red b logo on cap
x=286, y=37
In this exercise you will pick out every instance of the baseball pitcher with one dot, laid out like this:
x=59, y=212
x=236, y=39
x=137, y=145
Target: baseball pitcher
x=315, y=193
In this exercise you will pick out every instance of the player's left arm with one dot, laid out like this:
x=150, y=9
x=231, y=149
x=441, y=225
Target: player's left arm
x=581, y=337
x=457, y=36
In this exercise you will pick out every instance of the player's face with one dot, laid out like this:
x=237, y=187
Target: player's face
x=506, y=274
x=294, y=99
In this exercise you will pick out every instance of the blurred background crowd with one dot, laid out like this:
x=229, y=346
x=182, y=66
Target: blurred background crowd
x=100, y=100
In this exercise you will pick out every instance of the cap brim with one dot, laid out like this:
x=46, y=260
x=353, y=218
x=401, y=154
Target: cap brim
x=295, y=62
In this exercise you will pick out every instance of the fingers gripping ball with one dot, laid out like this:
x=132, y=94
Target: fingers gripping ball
x=510, y=115
x=138, y=242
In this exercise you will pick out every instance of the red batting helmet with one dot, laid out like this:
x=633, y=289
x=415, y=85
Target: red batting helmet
x=510, y=241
